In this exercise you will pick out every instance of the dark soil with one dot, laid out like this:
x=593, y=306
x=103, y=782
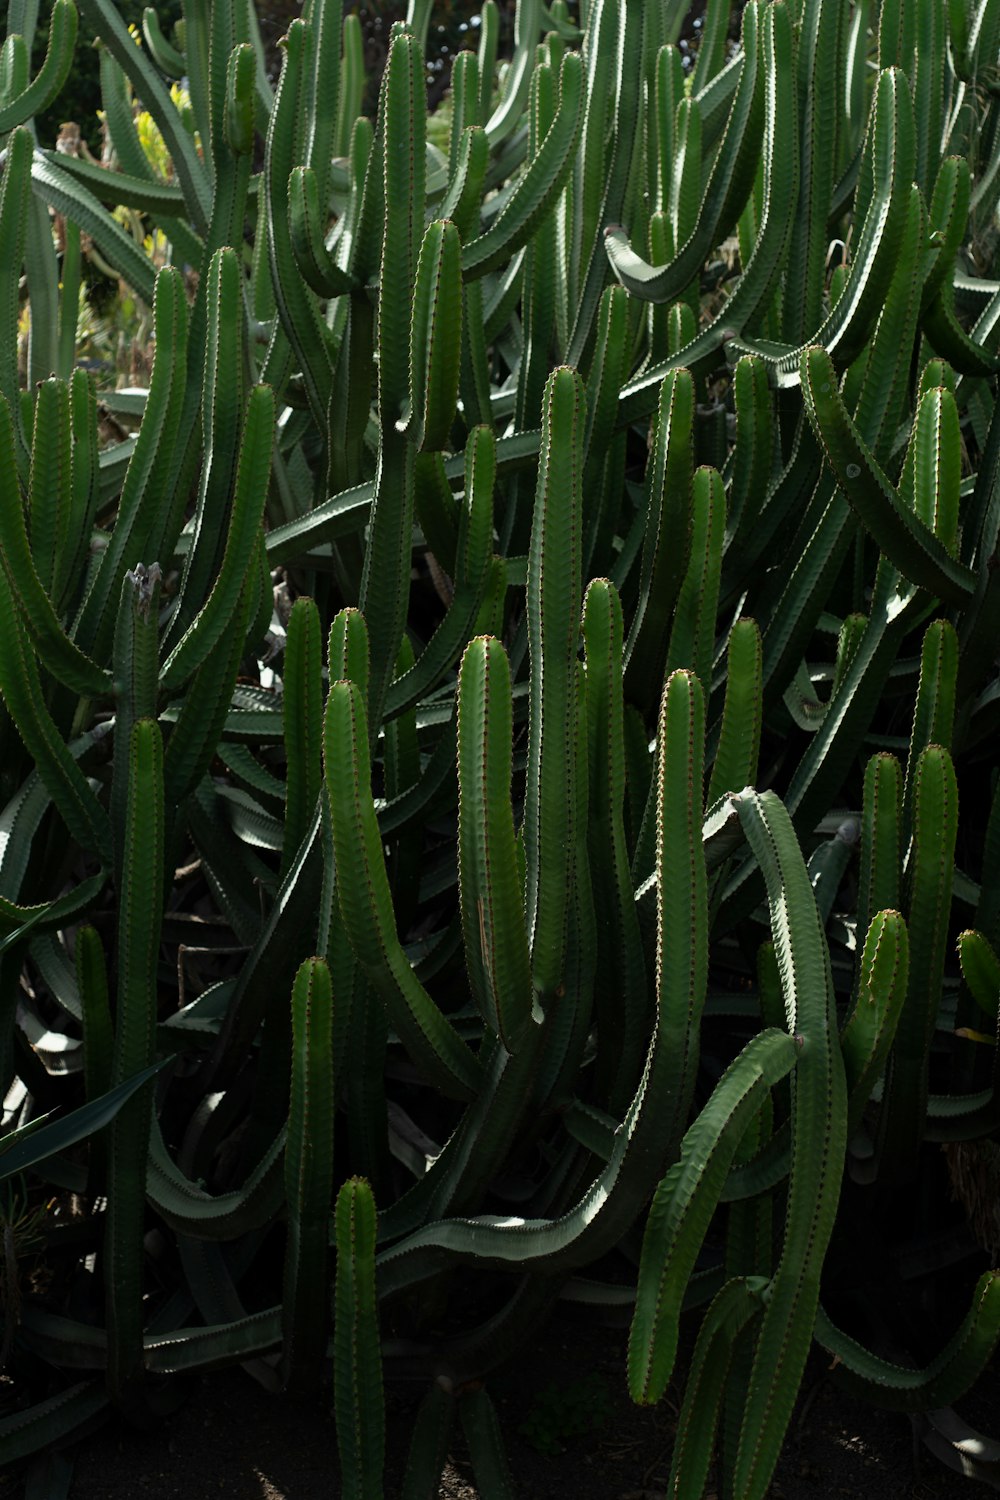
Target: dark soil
x=233, y=1440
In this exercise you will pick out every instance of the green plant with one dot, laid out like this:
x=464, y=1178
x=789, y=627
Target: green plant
x=563, y=1413
x=618, y=842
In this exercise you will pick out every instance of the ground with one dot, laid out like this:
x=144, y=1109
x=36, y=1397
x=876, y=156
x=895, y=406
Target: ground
x=232, y=1440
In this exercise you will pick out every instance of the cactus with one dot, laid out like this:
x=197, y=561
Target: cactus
x=308, y=1173
x=135, y=1019
x=357, y=1359
x=659, y=599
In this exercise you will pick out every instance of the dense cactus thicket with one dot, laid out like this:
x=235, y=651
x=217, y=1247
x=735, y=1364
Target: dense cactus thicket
x=497, y=745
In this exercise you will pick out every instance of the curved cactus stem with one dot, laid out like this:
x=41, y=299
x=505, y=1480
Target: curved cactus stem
x=66, y=190
x=192, y=1212
x=463, y=199
x=24, y=698
x=166, y=57
x=543, y=180
x=647, y=1140
x=366, y=903
x=105, y=20
x=848, y=327
x=897, y=1388
x=505, y=118
x=222, y=406
x=729, y=184
x=59, y=653
x=51, y=1422
x=117, y=95
x=684, y=1202
x=435, y=338
x=949, y=215
x=140, y=184
x=731, y=1314
x=147, y=492
x=82, y=1346
x=307, y=235
x=907, y=540
x=348, y=512
x=204, y=708
x=249, y=493
x=818, y=1142
x=48, y=81
x=471, y=573
x=754, y=288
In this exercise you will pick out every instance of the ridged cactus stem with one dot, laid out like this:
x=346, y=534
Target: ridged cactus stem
x=554, y=564
x=359, y=1407
x=308, y=1176
x=139, y=923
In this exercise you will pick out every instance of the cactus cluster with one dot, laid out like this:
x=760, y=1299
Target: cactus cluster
x=601, y=854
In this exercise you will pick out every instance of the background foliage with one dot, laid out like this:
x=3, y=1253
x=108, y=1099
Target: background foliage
x=499, y=797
